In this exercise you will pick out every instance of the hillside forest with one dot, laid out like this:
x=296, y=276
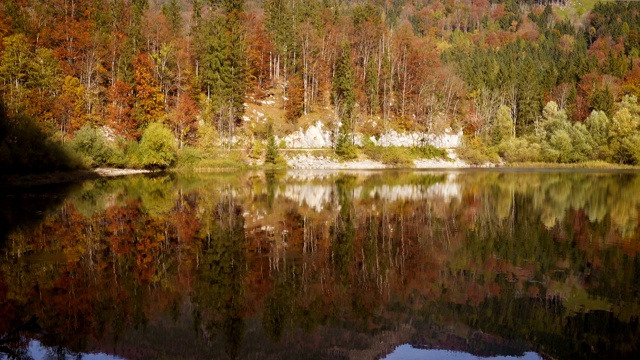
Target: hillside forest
x=150, y=83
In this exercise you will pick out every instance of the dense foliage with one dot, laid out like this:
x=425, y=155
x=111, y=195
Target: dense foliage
x=157, y=147
x=416, y=65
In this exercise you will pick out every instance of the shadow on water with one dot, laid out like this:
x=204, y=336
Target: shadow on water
x=25, y=207
x=25, y=148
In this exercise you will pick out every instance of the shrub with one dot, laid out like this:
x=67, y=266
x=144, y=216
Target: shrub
x=476, y=152
x=90, y=143
x=189, y=157
x=392, y=155
x=158, y=149
x=256, y=150
x=519, y=150
x=208, y=139
x=428, y=151
x=344, y=147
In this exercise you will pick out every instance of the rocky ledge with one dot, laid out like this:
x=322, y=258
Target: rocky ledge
x=307, y=161
x=119, y=172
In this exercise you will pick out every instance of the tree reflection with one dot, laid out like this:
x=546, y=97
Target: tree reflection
x=219, y=292
x=343, y=229
x=250, y=265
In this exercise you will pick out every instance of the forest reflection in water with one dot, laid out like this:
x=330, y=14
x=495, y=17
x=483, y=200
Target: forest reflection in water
x=325, y=265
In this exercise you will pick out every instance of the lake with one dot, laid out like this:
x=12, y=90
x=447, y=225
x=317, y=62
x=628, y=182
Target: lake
x=324, y=265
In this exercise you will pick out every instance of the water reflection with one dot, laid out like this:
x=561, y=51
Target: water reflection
x=408, y=352
x=329, y=265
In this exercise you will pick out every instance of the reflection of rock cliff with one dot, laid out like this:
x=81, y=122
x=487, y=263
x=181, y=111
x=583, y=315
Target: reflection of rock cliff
x=318, y=196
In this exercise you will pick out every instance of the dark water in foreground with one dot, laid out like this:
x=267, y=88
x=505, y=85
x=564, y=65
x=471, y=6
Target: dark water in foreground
x=324, y=266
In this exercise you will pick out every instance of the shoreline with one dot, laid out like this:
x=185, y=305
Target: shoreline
x=61, y=177
x=301, y=163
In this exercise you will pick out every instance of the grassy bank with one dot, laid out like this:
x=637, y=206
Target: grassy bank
x=587, y=165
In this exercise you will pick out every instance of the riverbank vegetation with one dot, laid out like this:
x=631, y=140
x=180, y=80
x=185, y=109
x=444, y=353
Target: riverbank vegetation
x=211, y=81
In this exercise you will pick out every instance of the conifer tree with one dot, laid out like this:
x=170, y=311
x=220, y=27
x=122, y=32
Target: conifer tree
x=371, y=87
x=343, y=98
x=171, y=11
x=223, y=60
x=279, y=24
x=272, y=148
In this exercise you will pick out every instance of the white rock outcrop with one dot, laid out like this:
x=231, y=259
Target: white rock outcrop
x=305, y=161
x=447, y=140
x=317, y=137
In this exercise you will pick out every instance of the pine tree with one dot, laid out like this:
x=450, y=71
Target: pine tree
x=223, y=61
x=171, y=11
x=238, y=58
x=272, y=148
x=343, y=98
x=279, y=24
x=371, y=86
x=602, y=100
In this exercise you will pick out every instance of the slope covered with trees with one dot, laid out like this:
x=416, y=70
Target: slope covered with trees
x=524, y=79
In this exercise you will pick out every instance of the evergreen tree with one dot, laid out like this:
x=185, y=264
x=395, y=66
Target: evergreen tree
x=343, y=94
x=238, y=58
x=279, y=24
x=602, y=100
x=344, y=146
x=214, y=62
x=223, y=61
x=371, y=86
x=272, y=148
x=344, y=99
x=171, y=11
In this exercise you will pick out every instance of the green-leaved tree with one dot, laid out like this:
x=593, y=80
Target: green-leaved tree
x=158, y=148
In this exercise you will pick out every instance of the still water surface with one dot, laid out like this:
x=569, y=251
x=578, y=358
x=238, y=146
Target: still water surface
x=324, y=265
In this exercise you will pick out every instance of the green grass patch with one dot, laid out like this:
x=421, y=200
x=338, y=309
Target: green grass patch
x=598, y=165
x=192, y=159
x=429, y=152
x=399, y=156
x=575, y=9
x=392, y=155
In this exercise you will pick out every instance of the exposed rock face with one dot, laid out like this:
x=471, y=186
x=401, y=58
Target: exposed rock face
x=317, y=137
x=308, y=161
x=447, y=140
x=304, y=161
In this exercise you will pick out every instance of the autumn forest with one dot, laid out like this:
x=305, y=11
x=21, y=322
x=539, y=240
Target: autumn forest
x=525, y=80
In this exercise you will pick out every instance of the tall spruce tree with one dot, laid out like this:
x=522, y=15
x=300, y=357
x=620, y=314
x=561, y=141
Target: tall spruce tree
x=171, y=11
x=344, y=99
x=223, y=59
x=272, y=148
